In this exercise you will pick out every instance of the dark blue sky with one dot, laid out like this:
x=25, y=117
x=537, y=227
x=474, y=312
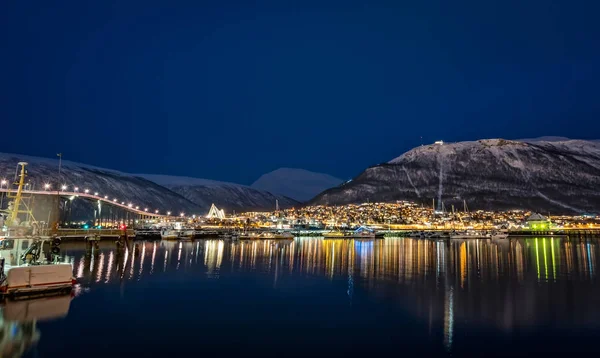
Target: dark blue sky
x=231, y=91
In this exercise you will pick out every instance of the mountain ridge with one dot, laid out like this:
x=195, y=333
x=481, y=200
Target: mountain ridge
x=562, y=176
x=139, y=189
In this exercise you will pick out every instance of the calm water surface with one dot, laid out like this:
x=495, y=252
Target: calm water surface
x=314, y=297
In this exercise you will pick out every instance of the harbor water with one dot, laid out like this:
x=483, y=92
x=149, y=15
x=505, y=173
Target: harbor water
x=312, y=297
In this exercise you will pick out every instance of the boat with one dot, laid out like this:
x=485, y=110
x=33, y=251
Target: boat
x=147, y=234
x=467, y=235
x=176, y=234
x=283, y=235
x=337, y=235
x=249, y=236
x=34, y=274
x=363, y=235
x=203, y=234
x=364, y=232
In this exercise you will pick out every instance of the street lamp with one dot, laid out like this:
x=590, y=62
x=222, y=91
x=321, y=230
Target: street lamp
x=87, y=191
x=106, y=197
x=156, y=211
x=96, y=193
x=46, y=186
x=76, y=189
x=130, y=204
x=182, y=214
x=3, y=182
x=146, y=209
x=168, y=213
x=115, y=200
x=137, y=208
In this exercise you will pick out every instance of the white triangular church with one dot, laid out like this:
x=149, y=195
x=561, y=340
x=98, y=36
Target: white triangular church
x=215, y=213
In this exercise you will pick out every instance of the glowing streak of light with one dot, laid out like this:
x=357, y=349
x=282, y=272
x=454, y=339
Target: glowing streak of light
x=165, y=265
x=553, y=260
x=545, y=259
x=142, y=262
x=80, y=268
x=537, y=259
x=131, y=269
x=100, y=268
x=220, y=248
x=92, y=262
x=590, y=260
x=449, y=320
x=179, y=257
x=126, y=256
x=153, y=257
x=111, y=258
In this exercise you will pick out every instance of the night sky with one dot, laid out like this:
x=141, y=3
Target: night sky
x=230, y=91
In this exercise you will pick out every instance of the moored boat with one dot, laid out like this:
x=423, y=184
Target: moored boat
x=249, y=236
x=283, y=235
x=147, y=234
x=469, y=234
x=337, y=235
x=176, y=234
x=38, y=275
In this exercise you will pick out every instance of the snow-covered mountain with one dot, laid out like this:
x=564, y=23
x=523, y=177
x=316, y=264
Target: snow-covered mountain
x=122, y=186
x=228, y=196
x=298, y=184
x=557, y=176
x=156, y=192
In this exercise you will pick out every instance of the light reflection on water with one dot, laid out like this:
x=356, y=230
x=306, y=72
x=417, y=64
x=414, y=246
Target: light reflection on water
x=450, y=287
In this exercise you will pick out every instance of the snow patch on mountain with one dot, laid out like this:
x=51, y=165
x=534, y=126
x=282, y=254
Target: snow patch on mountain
x=298, y=184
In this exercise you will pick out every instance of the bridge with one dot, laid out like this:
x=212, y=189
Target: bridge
x=86, y=194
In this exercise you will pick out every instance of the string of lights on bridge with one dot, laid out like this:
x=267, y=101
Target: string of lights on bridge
x=76, y=191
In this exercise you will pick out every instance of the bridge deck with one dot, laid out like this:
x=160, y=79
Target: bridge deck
x=88, y=196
